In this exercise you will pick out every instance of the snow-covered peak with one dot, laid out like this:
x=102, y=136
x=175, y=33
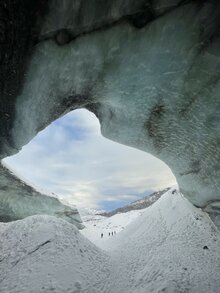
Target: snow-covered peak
x=89, y=212
x=139, y=204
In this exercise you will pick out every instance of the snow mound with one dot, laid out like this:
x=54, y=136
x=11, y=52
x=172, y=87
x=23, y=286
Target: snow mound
x=46, y=254
x=171, y=247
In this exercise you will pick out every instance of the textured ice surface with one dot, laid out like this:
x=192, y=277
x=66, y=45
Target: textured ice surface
x=79, y=17
x=18, y=200
x=149, y=72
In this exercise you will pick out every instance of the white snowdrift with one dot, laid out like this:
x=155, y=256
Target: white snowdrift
x=46, y=254
x=171, y=247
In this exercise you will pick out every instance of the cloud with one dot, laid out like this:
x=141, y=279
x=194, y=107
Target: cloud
x=73, y=160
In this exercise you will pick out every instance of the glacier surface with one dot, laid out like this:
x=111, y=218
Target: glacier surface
x=149, y=70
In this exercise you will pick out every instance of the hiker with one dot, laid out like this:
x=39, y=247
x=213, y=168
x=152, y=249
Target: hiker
x=109, y=234
x=101, y=235
x=112, y=233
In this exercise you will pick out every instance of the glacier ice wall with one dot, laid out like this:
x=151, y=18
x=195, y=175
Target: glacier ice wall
x=149, y=70
x=19, y=200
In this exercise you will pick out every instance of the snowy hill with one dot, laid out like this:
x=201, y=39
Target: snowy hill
x=98, y=225
x=43, y=254
x=171, y=247
x=95, y=224
x=109, y=224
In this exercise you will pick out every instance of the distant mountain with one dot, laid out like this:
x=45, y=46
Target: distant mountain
x=138, y=204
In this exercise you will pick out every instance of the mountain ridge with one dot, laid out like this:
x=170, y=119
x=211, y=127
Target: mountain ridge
x=137, y=204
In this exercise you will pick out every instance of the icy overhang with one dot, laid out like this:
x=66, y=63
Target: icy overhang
x=18, y=200
x=149, y=71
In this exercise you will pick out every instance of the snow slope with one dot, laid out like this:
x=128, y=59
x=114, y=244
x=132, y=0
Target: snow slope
x=102, y=222
x=46, y=254
x=164, y=250
x=171, y=247
x=95, y=225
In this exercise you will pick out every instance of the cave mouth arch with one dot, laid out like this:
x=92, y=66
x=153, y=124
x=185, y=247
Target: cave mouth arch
x=71, y=159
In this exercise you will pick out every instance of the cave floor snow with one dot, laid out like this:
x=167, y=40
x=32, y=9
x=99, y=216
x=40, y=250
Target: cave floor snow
x=169, y=247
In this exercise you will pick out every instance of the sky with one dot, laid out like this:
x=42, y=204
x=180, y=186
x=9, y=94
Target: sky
x=71, y=159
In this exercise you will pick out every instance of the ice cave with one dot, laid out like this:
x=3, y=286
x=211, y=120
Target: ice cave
x=150, y=72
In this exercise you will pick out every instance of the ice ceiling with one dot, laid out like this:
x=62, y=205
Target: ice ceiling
x=149, y=70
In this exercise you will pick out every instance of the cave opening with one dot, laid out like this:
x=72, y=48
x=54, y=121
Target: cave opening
x=72, y=161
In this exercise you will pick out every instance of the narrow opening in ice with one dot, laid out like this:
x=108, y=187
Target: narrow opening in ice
x=70, y=159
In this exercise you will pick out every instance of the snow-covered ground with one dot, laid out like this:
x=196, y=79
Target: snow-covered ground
x=170, y=247
x=95, y=225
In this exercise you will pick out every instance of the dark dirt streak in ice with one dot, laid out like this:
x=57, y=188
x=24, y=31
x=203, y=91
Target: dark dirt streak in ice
x=39, y=246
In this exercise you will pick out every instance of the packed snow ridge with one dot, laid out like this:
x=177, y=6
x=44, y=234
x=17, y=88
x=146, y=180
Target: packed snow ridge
x=171, y=247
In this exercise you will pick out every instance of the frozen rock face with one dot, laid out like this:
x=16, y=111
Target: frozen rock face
x=149, y=70
x=18, y=200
